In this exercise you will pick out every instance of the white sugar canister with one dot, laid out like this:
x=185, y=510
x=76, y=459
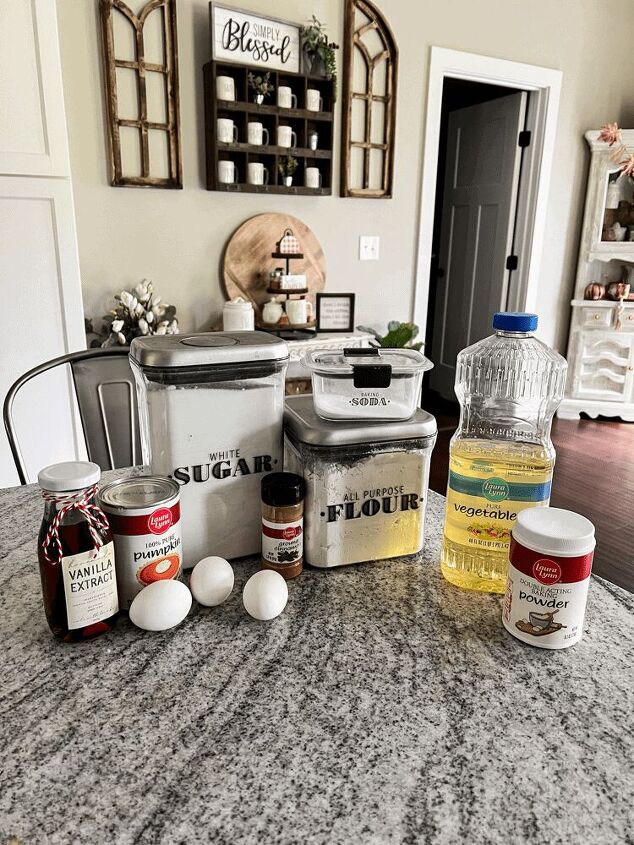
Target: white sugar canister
x=211, y=408
x=366, y=483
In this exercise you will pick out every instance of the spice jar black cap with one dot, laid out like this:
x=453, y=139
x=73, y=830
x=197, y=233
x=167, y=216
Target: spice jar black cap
x=281, y=489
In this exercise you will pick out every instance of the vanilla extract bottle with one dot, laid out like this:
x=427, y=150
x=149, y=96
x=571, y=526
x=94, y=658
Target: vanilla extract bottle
x=76, y=554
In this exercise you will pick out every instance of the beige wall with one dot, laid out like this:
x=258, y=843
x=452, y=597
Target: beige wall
x=176, y=237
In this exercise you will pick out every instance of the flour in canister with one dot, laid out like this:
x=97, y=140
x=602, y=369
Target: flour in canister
x=363, y=503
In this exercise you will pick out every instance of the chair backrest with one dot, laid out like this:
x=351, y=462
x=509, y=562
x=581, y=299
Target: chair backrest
x=106, y=397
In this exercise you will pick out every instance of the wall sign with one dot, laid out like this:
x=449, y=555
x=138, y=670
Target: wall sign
x=335, y=312
x=246, y=38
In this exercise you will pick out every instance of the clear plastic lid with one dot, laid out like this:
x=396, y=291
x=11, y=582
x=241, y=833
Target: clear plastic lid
x=341, y=362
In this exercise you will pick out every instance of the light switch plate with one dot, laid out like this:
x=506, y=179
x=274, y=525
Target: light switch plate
x=369, y=247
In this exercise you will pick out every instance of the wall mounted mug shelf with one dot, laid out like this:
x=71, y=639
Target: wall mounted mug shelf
x=242, y=111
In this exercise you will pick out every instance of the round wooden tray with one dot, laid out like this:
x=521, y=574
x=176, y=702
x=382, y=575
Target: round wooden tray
x=247, y=260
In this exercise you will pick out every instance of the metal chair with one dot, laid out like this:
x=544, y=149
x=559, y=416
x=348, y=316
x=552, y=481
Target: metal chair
x=106, y=396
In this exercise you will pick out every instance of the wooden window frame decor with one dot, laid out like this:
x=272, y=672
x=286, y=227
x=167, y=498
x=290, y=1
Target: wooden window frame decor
x=169, y=69
x=356, y=50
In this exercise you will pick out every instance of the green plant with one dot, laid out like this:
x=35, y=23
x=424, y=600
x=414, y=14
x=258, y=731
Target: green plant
x=261, y=84
x=315, y=42
x=399, y=336
x=287, y=166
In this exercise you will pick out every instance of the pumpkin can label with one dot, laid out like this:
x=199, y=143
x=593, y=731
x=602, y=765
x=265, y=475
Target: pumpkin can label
x=148, y=548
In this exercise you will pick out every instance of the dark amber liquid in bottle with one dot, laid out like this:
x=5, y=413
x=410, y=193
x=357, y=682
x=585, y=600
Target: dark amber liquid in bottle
x=75, y=537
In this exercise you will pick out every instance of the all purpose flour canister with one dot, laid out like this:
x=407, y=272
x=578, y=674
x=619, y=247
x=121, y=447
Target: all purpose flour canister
x=366, y=483
x=211, y=408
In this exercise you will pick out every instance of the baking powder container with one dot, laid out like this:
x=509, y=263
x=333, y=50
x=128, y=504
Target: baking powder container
x=211, y=408
x=367, y=383
x=144, y=516
x=366, y=483
x=549, y=574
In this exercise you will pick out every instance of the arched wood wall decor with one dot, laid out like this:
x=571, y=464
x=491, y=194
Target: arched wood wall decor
x=369, y=102
x=142, y=93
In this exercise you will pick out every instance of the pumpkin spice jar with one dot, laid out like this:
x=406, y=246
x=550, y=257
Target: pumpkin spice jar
x=283, y=523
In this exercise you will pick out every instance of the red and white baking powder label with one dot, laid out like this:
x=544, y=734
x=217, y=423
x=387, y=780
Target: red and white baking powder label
x=147, y=548
x=546, y=595
x=283, y=542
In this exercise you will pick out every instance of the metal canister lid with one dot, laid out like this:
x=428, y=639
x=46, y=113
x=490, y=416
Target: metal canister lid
x=207, y=349
x=304, y=425
x=140, y=491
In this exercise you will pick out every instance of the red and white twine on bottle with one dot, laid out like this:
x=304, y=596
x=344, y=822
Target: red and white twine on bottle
x=95, y=519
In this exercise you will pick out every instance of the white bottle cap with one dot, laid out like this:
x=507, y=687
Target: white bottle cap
x=554, y=531
x=67, y=476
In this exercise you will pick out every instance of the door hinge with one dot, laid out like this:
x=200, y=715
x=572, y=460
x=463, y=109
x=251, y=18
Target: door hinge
x=511, y=262
x=524, y=138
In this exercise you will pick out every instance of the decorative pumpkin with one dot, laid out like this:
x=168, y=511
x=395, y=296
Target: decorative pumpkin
x=594, y=291
x=618, y=290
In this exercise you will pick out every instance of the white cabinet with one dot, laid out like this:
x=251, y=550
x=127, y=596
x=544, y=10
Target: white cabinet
x=601, y=346
x=42, y=311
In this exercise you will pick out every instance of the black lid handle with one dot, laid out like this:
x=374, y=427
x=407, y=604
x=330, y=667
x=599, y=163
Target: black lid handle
x=360, y=353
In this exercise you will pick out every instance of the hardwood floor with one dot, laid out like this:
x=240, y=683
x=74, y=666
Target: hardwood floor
x=594, y=475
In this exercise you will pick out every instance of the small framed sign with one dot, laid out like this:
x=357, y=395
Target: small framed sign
x=335, y=312
x=244, y=37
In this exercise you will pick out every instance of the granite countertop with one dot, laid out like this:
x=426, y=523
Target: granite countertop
x=384, y=705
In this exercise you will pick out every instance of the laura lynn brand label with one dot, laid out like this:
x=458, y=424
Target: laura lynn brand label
x=372, y=502
x=481, y=511
x=546, y=597
x=496, y=489
x=226, y=463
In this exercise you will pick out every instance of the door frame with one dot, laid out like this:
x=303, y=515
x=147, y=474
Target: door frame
x=543, y=108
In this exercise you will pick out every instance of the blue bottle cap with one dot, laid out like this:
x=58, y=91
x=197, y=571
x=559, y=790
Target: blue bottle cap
x=514, y=321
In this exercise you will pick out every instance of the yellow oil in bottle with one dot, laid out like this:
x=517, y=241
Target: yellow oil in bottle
x=489, y=483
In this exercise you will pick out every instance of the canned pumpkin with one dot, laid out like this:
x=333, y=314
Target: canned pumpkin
x=144, y=517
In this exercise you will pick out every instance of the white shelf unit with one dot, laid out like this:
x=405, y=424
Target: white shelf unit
x=601, y=345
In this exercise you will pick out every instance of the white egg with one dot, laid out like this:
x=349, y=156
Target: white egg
x=161, y=605
x=211, y=581
x=265, y=595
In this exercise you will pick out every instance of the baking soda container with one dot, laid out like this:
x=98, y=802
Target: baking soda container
x=548, y=577
x=501, y=459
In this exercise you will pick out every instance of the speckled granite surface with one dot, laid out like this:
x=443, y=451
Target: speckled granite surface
x=382, y=706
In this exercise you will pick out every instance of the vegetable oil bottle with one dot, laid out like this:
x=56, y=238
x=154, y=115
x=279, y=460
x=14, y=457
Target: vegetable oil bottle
x=501, y=458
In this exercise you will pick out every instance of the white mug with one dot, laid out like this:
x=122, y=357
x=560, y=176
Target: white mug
x=256, y=134
x=286, y=137
x=227, y=131
x=312, y=177
x=257, y=173
x=299, y=311
x=314, y=101
x=225, y=88
x=226, y=171
x=285, y=98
